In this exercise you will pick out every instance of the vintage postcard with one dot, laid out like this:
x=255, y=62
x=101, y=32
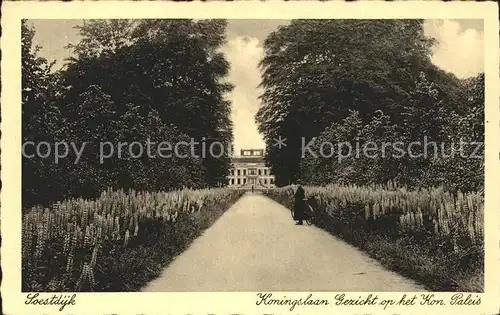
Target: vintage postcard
x=250, y=158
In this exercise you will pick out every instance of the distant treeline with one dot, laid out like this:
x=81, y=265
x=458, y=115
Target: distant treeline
x=126, y=81
x=368, y=81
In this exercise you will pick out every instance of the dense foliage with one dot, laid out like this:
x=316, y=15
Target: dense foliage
x=430, y=235
x=116, y=242
x=361, y=104
x=367, y=81
x=144, y=81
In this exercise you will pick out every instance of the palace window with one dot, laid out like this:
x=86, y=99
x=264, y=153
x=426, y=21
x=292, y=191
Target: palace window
x=265, y=181
x=260, y=171
x=244, y=172
x=232, y=181
x=272, y=181
x=238, y=172
x=239, y=181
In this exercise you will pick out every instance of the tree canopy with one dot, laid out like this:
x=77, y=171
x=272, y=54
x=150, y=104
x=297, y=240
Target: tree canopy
x=128, y=81
x=366, y=80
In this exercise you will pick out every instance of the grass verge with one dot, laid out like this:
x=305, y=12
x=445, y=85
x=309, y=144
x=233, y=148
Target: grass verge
x=125, y=268
x=423, y=258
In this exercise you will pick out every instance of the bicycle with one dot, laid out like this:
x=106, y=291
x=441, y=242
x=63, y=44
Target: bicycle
x=309, y=212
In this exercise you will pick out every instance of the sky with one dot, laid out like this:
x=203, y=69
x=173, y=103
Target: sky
x=459, y=50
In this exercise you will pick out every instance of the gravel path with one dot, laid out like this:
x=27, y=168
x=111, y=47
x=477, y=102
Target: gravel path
x=255, y=246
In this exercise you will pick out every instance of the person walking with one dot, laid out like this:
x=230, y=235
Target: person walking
x=299, y=204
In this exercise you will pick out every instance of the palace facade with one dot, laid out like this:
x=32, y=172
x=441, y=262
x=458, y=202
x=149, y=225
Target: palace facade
x=249, y=170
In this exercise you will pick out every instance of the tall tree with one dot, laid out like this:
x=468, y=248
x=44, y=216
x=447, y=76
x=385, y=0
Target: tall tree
x=139, y=81
x=315, y=71
x=175, y=67
x=40, y=118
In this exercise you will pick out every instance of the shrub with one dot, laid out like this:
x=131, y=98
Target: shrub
x=428, y=234
x=116, y=242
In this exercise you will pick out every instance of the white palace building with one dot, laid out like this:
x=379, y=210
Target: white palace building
x=249, y=170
